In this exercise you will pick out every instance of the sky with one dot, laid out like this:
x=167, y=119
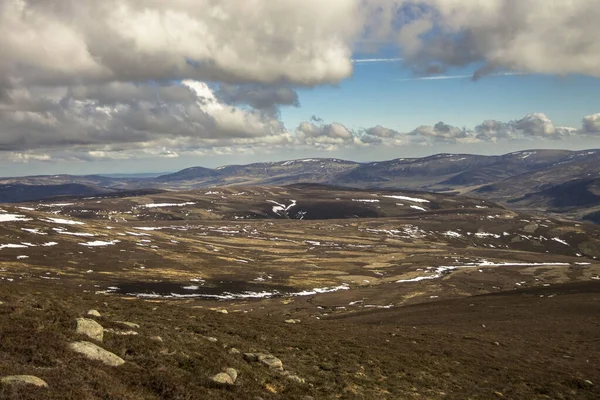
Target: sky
x=129, y=86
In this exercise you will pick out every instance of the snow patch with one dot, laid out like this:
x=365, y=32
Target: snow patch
x=13, y=217
x=100, y=243
x=35, y=231
x=413, y=199
x=452, y=234
x=155, y=205
x=63, y=221
x=12, y=246
x=321, y=290
x=559, y=240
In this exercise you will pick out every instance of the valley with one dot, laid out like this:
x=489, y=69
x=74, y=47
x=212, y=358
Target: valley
x=370, y=273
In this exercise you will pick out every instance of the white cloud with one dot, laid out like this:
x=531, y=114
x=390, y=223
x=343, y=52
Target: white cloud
x=303, y=42
x=61, y=42
x=308, y=136
x=533, y=36
x=591, y=123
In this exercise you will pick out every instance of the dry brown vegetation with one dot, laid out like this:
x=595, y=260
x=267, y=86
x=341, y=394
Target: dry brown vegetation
x=502, y=304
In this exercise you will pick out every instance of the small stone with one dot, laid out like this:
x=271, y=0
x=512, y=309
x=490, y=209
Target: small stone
x=89, y=328
x=23, y=380
x=270, y=388
x=211, y=339
x=128, y=324
x=121, y=332
x=589, y=382
x=292, y=321
x=94, y=352
x=325, y=366
x=531, y=228
x=222, y=311
x=266, y=359
x=232, y=373
x=222, y=378
x=272, y=362
x=233, y=350
x=293, y=377
x=157, y=338
x=94, y=313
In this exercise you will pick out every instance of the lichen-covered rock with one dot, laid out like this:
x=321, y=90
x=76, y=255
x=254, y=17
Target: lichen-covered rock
x=121, y=332
x=222, y=378
x=128, y=324
x=23, y=380
x=89, y=328
x=232, y=373
x=266, y=359
x=94, y=352
x=293, y=377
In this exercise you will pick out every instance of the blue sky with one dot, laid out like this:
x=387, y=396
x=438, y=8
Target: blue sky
x=388, y=94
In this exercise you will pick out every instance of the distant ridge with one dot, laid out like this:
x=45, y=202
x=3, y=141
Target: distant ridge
x=521, y=179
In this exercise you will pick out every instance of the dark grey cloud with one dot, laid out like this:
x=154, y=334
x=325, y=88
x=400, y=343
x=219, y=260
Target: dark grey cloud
x=119, y=113
x=267, y=98
x=378, y=134
x=132, y=93
x=327, y=136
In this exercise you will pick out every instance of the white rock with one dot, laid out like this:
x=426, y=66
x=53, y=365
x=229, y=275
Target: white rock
x=94, y=352
x=222, y=378
x=121, y=332
x=128, y=324
x=232, y=373
x=89, y=328
x=23, y=380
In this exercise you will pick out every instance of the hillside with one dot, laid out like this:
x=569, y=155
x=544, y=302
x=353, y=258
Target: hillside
x=344, y=293
x=509, y=179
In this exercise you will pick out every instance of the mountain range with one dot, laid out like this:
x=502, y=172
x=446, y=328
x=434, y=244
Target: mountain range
x=556, y=181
